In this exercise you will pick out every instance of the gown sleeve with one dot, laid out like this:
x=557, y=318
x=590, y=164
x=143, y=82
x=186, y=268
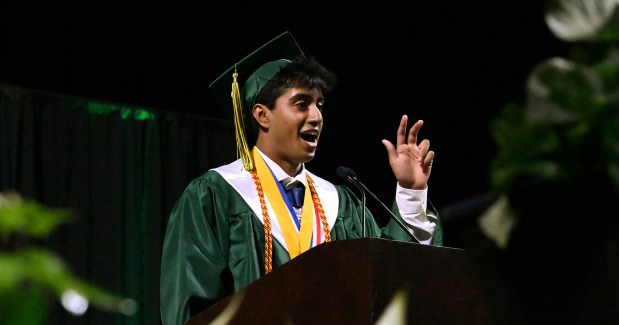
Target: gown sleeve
x=348, y=224
x=191, y=255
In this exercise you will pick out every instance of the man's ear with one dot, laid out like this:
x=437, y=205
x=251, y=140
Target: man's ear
x=261, y=115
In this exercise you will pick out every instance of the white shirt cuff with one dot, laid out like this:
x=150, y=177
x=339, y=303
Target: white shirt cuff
x=413, y=205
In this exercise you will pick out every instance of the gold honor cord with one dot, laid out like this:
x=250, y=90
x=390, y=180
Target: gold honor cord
x=242, y=149
x=296, y=242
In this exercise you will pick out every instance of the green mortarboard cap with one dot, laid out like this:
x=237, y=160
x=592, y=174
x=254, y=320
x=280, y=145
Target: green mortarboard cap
x=254, y=71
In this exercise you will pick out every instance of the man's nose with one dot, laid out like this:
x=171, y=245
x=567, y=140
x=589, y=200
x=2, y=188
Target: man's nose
x=315, y=115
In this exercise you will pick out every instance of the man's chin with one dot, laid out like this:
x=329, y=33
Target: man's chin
x=310, y=155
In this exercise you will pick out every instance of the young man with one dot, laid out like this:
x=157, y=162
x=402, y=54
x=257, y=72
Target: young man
x=235, y=223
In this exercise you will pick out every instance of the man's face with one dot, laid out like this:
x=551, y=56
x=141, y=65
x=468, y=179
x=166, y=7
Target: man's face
x=295, y=124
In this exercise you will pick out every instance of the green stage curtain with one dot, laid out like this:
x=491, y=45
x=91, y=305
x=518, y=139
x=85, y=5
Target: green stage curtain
x=120, y=169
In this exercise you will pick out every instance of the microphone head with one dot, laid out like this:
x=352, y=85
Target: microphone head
x=346, y=173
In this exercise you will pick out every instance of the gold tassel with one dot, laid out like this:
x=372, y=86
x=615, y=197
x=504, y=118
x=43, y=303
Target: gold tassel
x=242, y=149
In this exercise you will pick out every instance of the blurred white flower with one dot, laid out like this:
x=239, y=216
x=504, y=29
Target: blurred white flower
x=576, y=20
x=395, y=312
x=74, y=302
x=498, y=221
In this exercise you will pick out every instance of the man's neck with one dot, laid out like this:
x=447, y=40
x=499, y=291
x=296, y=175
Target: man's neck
x=289, y=168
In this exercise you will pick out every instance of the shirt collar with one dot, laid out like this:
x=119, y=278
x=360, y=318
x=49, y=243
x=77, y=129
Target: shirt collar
x=280, y=174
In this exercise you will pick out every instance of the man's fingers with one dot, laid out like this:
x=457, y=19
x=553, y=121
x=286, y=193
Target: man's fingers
x=429, y=159
x=424, y=146
x=391, y=151
x=412, y=134
x=401, y=136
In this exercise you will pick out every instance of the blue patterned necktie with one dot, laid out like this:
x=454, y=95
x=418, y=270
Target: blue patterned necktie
x=295, y=192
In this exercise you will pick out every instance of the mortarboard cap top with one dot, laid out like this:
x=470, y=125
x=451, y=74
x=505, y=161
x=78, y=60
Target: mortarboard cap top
x=254, y=71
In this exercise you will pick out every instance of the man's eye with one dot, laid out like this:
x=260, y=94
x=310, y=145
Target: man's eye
x=302, y=105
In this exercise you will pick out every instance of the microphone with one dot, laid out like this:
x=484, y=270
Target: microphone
x=350, y=175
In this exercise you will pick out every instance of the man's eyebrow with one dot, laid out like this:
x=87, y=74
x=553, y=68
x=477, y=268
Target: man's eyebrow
x=306, y=96
x=301, y=96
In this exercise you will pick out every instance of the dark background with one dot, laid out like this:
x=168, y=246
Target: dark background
x=452, y=64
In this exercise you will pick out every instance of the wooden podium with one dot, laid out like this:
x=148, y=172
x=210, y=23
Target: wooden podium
x=352, y=281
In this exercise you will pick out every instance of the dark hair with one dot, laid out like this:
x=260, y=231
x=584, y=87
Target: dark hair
x=300, y=72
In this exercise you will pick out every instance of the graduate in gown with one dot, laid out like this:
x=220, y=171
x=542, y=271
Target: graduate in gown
x=237, y=222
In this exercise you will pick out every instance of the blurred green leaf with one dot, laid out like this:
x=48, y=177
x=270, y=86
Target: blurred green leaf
x=569, y=127
x=22, y=307
x=27, y=217
x=34, y=275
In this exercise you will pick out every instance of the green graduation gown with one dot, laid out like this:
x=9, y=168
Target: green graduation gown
x=214, y=242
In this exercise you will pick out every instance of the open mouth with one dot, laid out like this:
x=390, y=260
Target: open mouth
x=309, y=136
